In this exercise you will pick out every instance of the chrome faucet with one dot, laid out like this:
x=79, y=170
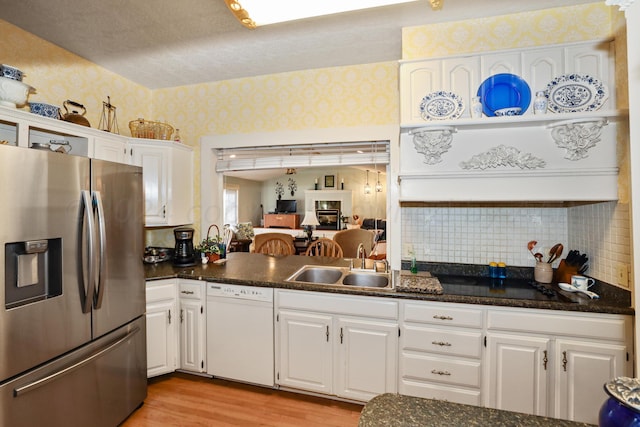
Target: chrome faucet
x=361, y=255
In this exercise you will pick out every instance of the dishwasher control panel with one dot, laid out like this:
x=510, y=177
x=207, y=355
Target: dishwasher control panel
x=238, y=291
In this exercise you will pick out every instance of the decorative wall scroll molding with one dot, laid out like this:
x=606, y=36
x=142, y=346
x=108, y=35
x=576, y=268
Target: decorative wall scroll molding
x=577, y=136
x=503, y=155
x=623, y=4
x=433, y=142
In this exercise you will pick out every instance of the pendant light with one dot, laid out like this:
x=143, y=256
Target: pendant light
x=378, y=185
x=367, y=187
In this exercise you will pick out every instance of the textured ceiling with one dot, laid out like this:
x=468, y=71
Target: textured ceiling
x=167, y=43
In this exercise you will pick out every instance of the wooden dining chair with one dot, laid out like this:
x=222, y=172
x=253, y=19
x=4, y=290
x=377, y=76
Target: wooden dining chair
x=324, y=247
x=276, y=246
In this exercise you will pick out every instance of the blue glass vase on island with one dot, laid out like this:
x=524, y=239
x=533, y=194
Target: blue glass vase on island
x=622, y=408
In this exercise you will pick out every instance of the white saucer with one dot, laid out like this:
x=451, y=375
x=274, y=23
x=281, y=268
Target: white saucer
x=570, y=288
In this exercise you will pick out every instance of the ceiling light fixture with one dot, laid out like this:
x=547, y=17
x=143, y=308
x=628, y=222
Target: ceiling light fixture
x=436, y=4
x=255, y=13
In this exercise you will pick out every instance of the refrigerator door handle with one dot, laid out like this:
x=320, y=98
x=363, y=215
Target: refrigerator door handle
x=102, y=235
x=18, y=391
x=88, y=288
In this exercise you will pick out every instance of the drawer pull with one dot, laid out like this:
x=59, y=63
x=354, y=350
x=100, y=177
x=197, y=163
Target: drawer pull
x=436, y=372
x=441, y=343
x=440, y=317
x=187, y=292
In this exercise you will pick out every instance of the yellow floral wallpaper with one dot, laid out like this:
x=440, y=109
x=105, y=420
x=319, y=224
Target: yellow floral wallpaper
x=560, y=25
x=58, y=75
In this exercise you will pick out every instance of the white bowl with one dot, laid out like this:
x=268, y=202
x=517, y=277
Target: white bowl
x=13, y=93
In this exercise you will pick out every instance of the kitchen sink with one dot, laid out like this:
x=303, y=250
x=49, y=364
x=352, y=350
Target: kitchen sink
x=340, y=276
x=317, y=275
x=367, y=280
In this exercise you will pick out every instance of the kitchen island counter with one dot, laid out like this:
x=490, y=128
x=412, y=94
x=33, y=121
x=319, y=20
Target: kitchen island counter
x=395, y=410
x=250, y=269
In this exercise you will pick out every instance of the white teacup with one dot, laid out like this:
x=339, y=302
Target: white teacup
x=582, y=282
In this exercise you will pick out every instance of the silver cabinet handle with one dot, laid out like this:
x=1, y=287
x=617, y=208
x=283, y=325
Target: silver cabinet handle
x=564, y=361
x=169, y=316
x=441, y=343
x=440, y=317
x=341, y=336
x=436, y=372
x=327, y=333
x=545, y=360
x=181, y=315
x=187, y=292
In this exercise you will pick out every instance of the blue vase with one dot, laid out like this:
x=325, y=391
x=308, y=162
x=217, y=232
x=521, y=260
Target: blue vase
x=615, y=414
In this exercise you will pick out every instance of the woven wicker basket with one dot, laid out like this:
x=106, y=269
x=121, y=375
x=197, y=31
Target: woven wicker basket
x=152, y=130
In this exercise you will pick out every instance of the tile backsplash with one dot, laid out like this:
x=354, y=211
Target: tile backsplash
x=479, y=235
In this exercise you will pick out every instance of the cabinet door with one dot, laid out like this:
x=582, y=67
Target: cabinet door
x=582, y=368
x=518, y=371
x=110, y=150
x=161, y=337
x=366, y=358
x=192, y=340
x=155, y=166
x=305, y=356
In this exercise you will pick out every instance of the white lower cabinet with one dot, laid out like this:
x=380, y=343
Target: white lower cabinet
x=337, y=345
x=583, y=368
x=192, y=325
x=162, y=327
x=517, y=377
x=441, y=351
x=554, y=363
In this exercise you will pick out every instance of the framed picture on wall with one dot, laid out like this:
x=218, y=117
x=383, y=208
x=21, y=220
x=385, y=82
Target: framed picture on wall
x=329, y=181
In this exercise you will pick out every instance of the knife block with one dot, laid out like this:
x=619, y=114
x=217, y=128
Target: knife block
x=564, y=272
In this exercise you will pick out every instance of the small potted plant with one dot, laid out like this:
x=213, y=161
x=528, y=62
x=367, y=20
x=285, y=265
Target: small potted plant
x=211, y=247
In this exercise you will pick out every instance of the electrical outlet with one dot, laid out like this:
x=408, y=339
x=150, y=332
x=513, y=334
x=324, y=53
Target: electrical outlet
x=407, y=249
x=622, y=274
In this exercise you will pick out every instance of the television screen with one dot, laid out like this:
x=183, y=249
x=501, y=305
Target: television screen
x=286, y=206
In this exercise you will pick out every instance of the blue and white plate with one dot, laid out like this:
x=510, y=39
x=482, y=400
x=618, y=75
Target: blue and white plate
x=441, y=105
x=504, y=91
x=574, y=93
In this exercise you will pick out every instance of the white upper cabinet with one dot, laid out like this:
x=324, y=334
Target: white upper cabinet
x=554, y=156
x=167, y=170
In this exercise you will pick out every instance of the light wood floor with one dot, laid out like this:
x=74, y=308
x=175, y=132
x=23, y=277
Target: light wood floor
x=188, y=400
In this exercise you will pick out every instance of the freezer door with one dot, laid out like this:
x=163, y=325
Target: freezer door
x=41, y=257
x=119, y=208
x=98, y=385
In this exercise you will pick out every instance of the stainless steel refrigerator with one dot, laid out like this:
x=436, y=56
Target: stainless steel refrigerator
x=72, y=325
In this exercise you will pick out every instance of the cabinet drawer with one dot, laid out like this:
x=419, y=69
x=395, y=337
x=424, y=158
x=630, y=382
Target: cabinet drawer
x=156, y=291
x=379, y=308
x=442, y=341
x=588, y=325
x=190, y=290
x=440, y=392
x=443, y=314
x=450, y=371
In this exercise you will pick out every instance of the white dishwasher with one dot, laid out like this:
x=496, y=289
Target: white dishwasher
x=240, y=333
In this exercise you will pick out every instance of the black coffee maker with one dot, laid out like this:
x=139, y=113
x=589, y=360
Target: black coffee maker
x=184, y=255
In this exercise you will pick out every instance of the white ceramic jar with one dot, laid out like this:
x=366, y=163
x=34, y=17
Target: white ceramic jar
x=540, y=103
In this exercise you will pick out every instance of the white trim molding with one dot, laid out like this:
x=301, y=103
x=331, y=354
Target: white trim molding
x=622, y=4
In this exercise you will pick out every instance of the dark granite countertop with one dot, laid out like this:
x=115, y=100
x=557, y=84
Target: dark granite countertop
x=394, y=410
x=244, y=268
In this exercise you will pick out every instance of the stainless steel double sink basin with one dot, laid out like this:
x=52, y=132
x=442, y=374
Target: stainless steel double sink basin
x=341, y=276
